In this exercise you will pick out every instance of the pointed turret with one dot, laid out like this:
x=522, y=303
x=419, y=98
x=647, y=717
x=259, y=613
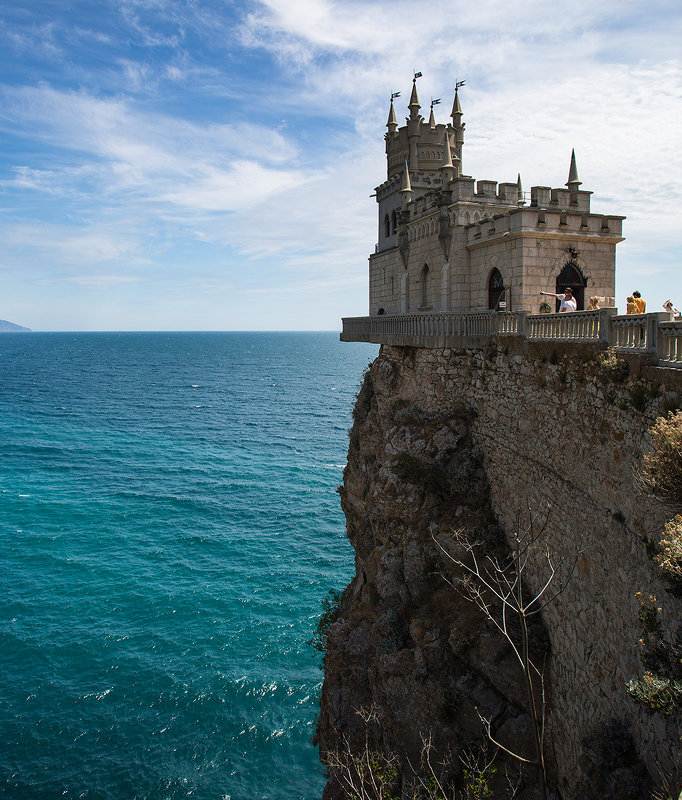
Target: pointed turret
x=573, y=181
x=414, y=105
x=447, y=155
x=432, y=120
x=406, y=186
x=447, y=167
x=458, y=126
x=392, y=123
x=456, y=112
x=519, y=191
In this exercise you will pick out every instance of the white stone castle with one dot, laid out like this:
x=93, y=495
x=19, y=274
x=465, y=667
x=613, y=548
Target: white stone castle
x=448, y=243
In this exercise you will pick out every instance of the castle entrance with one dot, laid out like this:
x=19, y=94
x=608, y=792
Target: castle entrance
x=571, y=277
x=496, y=292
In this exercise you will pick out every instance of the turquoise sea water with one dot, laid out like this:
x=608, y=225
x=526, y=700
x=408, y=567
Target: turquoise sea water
x=168, y=528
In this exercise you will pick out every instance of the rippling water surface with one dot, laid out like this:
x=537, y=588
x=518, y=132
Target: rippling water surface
x=168, y=528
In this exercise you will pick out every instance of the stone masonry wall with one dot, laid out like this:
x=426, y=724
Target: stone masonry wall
x=558, y=433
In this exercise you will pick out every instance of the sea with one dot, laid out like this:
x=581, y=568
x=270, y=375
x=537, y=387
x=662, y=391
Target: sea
x=169, y=528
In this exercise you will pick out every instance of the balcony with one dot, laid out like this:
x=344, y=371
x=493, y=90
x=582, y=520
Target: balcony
x=644, y=334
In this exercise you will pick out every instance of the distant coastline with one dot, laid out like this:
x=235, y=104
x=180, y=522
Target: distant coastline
x=10, y=327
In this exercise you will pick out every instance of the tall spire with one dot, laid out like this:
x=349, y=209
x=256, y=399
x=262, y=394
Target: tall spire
x=456, y=112
x=447, y=155
x=432, y=119
x=406, y=186
x=573, y=181
x=392, y=123
x=446, y=165
x=414, y=105
x=519, y=190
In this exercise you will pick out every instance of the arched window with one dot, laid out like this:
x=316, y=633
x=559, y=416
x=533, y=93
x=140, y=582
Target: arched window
x=571, y=276
x=394, y=222
x=387, y=227
x=495, y=290
x=425, y=286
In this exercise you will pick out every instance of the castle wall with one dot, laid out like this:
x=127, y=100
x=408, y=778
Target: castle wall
x=384, y=282
x=528, y=247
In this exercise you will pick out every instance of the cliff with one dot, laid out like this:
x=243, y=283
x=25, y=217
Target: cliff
x=11, y=327
x=454, y=446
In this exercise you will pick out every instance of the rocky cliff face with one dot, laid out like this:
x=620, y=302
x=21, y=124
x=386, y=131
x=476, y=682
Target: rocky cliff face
x=408, y=649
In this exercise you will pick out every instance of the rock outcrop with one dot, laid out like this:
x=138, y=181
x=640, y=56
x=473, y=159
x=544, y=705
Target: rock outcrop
x=454, y=446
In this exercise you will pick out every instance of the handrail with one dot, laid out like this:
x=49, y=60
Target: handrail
x=650, y=334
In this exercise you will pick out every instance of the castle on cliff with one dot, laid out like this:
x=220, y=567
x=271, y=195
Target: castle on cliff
x=449, y=243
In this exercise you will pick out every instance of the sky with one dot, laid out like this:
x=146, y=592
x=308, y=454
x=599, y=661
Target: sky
x=208, y=165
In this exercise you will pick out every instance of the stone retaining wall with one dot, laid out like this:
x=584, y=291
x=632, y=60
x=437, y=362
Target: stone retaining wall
x=563, y=432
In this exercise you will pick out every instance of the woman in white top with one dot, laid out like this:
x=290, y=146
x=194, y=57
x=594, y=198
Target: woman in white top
x=568, y=302
x=670, y=308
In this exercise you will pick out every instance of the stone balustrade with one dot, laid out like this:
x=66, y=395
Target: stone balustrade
x=645, y=334
x=669, y=344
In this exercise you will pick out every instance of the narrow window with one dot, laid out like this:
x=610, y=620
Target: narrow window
x=495, y=290
x=425, y=285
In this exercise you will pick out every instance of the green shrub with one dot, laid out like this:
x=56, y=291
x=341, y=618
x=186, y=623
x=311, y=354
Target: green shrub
x=613, y=369
x=659, y=694
x=663, y=465
x=660, y=687
x=641, y=393
x=330, y=613
x=669, y=556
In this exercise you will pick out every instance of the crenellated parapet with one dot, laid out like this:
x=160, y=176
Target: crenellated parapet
x=536, y=222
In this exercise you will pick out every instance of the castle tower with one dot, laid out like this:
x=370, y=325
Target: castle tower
x=450, y=243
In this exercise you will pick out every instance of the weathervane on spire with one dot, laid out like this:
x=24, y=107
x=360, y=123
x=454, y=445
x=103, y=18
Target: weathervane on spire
x=416, y=75
x=394, y=95
x=458, y=84
x=434, y=102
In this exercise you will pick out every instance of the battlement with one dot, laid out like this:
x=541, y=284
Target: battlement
x=530, y=221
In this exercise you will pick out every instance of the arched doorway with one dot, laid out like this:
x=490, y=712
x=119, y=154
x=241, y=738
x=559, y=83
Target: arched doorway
x=495, y=290
x=571, y=276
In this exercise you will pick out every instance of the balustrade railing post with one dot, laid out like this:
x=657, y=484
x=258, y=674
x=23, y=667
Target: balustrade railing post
x=652, y=321
x=607, y=333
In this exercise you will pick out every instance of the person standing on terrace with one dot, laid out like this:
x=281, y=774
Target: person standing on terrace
x=568, y=302
x=639, y=302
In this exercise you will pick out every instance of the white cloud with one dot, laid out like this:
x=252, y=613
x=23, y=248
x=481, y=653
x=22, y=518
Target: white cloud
x=120, y=149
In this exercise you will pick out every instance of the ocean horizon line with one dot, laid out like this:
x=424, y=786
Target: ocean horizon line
x=245, y=330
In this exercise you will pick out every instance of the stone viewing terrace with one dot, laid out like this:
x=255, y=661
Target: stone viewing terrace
x=650, y=335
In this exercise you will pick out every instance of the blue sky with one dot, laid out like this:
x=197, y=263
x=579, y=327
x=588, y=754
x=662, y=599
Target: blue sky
x=207, y=165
